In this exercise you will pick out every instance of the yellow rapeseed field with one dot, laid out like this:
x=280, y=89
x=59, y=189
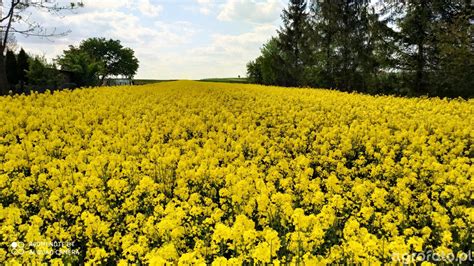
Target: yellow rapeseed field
x=207, y=173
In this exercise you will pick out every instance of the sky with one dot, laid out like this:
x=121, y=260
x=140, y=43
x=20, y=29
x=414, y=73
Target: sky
x=180, y=39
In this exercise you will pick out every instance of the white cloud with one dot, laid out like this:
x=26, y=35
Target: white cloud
x=238, y=45
x=145, y=7
x=227, y=55
x=149, y=9
x=106, y=4
x=205, y=6
x=251, y=11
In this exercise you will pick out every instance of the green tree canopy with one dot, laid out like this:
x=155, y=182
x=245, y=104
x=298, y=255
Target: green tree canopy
x=84, y=68
x=42, y=73
x=114, y=58
x=269, y=68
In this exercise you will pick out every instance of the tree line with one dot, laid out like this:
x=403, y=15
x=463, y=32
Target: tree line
x=411, y=47
x=88, y=64
x=16, y=18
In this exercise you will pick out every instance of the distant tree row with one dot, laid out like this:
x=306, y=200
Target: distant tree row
x=412, y=47
x=89, y=64
x=16, y=18
x=26, y=73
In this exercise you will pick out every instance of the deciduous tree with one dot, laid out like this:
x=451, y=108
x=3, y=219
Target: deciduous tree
x=114, y=58
x=84, y=68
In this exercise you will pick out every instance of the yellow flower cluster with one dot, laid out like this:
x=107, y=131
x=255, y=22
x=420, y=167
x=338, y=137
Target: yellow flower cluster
x=224, y=174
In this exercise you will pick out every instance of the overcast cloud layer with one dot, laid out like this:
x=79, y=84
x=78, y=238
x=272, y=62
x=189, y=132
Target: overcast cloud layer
x=187, y=39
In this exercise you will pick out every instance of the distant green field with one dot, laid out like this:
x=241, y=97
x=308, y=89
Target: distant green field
x=224, y=80
x=150, y=81
x=227, y=80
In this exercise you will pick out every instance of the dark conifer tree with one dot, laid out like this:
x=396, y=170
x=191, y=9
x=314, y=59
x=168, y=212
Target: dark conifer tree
x=293, y=41
x=11, y=68
x=344, y=49
x=23, y=65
